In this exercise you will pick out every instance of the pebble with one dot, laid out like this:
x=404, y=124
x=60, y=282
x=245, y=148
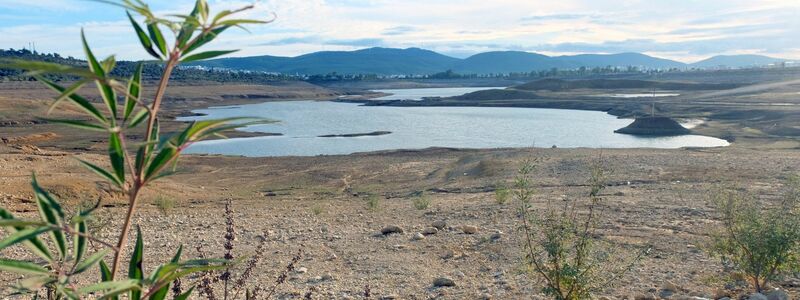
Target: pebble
x=777, y=295
x=443, y=282
x=418, y=236
x=757, y=296
x=391, y=229
x=496, y=236
x=301, y=270
x=430, y=230
x=440, y=225
x=469, y=229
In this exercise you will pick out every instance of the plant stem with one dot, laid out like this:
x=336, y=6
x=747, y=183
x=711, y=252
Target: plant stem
x=138, y=182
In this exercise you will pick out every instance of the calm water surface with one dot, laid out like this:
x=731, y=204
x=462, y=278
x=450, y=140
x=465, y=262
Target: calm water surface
x=302, y=122
x=417, y=94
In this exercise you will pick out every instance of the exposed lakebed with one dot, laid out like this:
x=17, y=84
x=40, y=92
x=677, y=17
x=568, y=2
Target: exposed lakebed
x=327, y=128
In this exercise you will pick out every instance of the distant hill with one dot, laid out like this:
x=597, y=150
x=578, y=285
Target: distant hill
x=366, y=61
x=415, y=61
x=509, y=61
x=390, y=61
x=737, y=61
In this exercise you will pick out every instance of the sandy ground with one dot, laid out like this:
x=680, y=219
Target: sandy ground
x=655, y=198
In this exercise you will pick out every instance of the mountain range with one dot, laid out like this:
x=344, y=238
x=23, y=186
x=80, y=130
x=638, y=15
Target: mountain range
x=416, y=61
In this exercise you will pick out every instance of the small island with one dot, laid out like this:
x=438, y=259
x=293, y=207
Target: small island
x=374, y=133
x=654, y=126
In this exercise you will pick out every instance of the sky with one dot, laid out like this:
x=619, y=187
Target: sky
x=683, y=30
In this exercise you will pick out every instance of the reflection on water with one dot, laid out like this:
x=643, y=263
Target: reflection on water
x=418, y=94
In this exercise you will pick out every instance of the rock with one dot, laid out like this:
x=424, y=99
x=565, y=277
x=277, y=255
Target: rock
x=440, y=225
x=664, y=294
x=391, y=229
x=469, y=229
x=757, y=296
x=496, y=236
x=670, y=286
x=389, y=297
x=777, y=295
x=443, y=282
x=418, y=236
x=430, y=230
x=301, y=270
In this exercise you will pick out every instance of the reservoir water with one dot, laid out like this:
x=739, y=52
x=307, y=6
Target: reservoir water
x=418, y=94
x=303, y=122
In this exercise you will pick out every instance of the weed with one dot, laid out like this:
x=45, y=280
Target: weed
x=421, y=202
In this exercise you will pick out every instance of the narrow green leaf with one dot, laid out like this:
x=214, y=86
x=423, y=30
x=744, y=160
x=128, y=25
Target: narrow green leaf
x=90, y=261
x=77, y=124
x=205, y=39
x=206, y=55
x=138, y=118
x=34, y=244
x=157, y=37
x=79, y=241
x=159, y=161
x=117, y=156
x=235, y=22
x=51, y=212
x=41, y=67
x=134, y=91
x=65, y=94
x=135, y=270
x=143, y=38
x=107, y=93
x=22, y=267
x=76, y=99
x=35, y=282
x=109, y=63
x=177, y=257
x=20, y=223
x=102, y=172
x=105, y=272
x=111, y=289
x=21, y=236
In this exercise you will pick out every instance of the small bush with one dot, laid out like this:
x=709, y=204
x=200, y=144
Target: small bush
x=761, y=242
x=560, y=243
x=317, y=209
x=421, y=202
x=373, y=202
x=501, y=193
x=164, y=204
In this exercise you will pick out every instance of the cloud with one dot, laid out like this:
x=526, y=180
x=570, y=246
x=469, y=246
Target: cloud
x=365, y=42
x=399, y=30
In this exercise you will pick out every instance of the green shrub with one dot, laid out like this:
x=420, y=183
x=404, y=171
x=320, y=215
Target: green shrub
x=373, y=202
x=501, y=193
x=66, y=256
x=317, y=209
x=421, y=202
x=560, y=244
x=762, y=242
x=164, y=204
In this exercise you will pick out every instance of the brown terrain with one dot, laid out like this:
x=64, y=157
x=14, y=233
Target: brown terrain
x=655, y=199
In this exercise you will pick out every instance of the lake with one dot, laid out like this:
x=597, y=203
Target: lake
x=303, y=122
x=418, y=94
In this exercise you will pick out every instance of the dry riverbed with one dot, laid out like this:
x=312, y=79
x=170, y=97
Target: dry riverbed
x=655, y=199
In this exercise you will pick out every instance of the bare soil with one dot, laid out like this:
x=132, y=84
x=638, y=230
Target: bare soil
x=655, y=198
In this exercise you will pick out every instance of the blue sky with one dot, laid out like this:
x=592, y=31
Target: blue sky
x=678, y=29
